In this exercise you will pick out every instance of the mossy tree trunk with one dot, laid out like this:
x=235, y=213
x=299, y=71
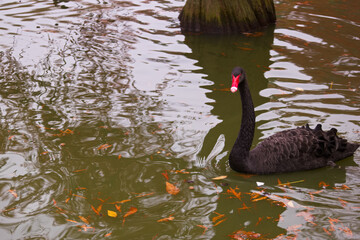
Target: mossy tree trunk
x=226, y=16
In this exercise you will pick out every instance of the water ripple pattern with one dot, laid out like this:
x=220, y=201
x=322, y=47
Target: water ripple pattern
x=113, y=124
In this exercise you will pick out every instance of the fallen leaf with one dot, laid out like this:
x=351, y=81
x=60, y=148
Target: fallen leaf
x=219, y=178
x=166, y=176
x=84, y=219
x=233, y=192
x=104, y=146
x=204, y=227
x=111, y=213
x=323, y=184
x=108, y=234
x=242, y=235
x=170, y=218
x=95, y=210
x=73, y=221
x=214, y=219
x=118, y=207
x=172, y=189
x=131, y=211
x=222, y=220
x=13, y=193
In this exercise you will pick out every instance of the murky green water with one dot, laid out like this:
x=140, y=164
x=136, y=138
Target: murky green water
x=102, y=101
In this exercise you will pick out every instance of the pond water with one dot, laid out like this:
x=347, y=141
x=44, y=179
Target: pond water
x=103, y=102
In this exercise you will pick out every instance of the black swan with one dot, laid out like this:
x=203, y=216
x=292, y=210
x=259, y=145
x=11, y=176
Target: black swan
x=291, y=150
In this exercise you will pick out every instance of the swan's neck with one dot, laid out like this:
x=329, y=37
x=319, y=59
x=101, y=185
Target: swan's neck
x=239, y=155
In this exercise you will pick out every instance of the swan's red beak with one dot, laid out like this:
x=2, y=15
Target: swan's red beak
x=235, y=83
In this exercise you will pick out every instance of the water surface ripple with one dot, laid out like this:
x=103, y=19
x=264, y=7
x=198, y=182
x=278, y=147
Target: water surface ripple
x=103, y=102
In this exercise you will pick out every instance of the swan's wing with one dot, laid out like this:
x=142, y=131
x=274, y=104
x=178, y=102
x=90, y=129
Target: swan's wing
x=298, y=149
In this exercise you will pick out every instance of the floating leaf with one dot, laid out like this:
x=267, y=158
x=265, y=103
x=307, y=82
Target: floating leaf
x=84, y=219
x=131, y=211
x=108, y=234
x=323, y=184
x=219, y=177
x=170, y=218
x=118, y=207
x=73, y=221
x=111, y=213
x=222, y=220
x=214, y=219
x=233, y=192
x=104, y=146
x=13, y=193
x=166, y=176
x=119, y=156
x=240, y=235
x=172, y=189
x=95, y=210
x=204, y=227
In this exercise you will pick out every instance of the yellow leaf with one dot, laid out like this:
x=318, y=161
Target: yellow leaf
x=219, y=178
x=172, y=189
x=112, y=213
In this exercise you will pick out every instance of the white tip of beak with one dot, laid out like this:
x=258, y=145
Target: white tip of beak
x=233, y=89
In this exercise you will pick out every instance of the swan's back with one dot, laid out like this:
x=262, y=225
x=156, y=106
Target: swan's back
x=297, y=149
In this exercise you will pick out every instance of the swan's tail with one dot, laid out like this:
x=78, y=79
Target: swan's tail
x=329, y=144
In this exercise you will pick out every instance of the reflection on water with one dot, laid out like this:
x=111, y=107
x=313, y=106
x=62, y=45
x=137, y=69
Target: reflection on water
x=104, y=101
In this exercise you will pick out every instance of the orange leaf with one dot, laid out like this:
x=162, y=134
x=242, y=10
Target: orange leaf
x=170, y=218
x=99, y=208
x=327, y=232
x=172, y=189
x=104, y=146
x=244, y=207
x=75, y=195
x=165, y=174
x=80, y=170
x=73, y=221
x=233, y=191
x=96, y=211
x=108, y=234
x=222, y=220
x=13, y=193
x=118, y=207
x=119, y=156
x=131, y=211
x=323, y=184
x=84, y=219
x=144, y=194
x=66, y=200
x=202, y=226
x=214, y=219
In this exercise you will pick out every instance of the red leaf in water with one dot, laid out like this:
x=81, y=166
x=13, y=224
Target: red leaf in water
x=118, y=207
x=84, y=219
x=95, y=210
x=202, y=226
x=233, y=192
x=242, y=235
x=170, y=218
x=322, y=184
x=131, y=211
x=172, y=189
x=166, y=176
x=327, y=232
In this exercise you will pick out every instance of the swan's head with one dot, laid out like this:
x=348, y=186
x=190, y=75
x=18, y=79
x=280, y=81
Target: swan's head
x=237, y=75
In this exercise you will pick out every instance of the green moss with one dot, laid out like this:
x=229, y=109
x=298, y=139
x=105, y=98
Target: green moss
x=226, y=16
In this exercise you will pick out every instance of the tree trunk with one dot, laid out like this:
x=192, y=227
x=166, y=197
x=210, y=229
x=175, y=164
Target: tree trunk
x=226, y=16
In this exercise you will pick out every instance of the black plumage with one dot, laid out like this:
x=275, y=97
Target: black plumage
x=291, y=150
